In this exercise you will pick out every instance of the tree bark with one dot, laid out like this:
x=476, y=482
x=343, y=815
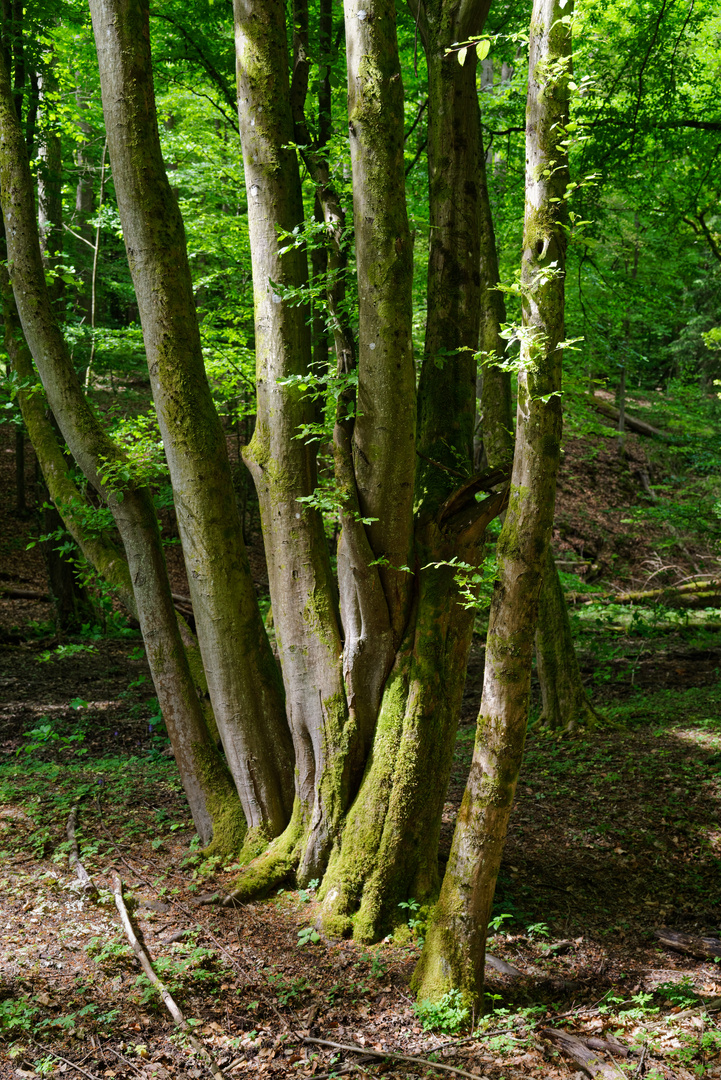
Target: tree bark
x=389, y=848
x=454, y=951
x=242, y=675
x=212, y=799
x=565, y=703
x=283, y=465
x=385, y=427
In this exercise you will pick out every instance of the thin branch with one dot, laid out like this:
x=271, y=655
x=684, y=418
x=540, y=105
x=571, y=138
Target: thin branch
x=78, y=236
x=386, y=1054
x=47, y=1050
x=147, y=967
x=415, y=123
x=207, y=64
x=75, y=864
x=418, y=153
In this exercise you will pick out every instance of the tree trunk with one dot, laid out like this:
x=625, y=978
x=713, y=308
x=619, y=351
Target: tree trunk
x=283, y=465
x=384, y=430
x=564, y=699
x=242, y=675
x=212, y=799
x=390, y=842
x=454, y=951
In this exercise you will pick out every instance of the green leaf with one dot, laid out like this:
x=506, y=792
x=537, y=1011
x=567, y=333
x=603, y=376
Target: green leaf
x=483, y=48
x=462, y=56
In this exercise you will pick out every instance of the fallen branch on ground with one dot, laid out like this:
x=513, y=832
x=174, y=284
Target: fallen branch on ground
x=640, y=427
x=363, y=1050
x=23, y=594
x=89, y=887
x=147, y=967
x=577, y=1049
x=701, y=947
x=693, y=593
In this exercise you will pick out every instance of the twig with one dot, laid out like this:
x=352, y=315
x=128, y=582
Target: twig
x=47, y=1050
x=203, y=929
x=639, y=1070
x=147, y=967
x=75, y=864
x=124, y=1059
x=387, y=1054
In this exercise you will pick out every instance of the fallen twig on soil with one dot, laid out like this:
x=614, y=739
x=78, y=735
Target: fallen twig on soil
x=147, y=967
x=47, y=1050
x=23, y=594
x=388, y=1054
x=88, y=886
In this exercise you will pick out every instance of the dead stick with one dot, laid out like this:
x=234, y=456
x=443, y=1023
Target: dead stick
x=147, y=967
x=72, y=1064
x=387, y=1054
x=74, y=858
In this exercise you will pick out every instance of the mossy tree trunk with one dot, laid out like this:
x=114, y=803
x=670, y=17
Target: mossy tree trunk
x=283, y=465
x=212, y=798
x=454, y=951
x=243, y=680
x=565, y=702
x=390, y=843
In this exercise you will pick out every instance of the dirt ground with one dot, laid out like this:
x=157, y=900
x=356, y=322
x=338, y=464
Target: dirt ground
x=615, y=833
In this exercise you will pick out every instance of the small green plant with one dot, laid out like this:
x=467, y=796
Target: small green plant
x=536, y=930
x=306, y=895
x=415, y=925
x=308, y=936
x=678, y=993
x=109, y=955
x=497, y=922
x=448, y=1015
x=62, y=652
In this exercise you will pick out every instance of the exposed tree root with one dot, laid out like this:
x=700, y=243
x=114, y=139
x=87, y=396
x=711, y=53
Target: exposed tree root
x=275, y=865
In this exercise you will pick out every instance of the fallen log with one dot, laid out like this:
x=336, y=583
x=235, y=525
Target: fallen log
x=89, y=887
x=640, y=427
x=589, y=1060
x=689, y=595
x=23, y=594
x=700, y=947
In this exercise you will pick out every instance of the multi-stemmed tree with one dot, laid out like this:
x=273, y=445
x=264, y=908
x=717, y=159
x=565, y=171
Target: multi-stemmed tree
x=373, y=661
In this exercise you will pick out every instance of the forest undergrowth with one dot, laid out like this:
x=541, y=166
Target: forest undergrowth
x=616, y=833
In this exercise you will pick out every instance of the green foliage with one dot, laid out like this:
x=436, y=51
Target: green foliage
x=449, y=1015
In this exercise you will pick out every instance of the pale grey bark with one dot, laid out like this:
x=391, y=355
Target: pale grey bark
x=384, y=432
x=454, y=951
x=242, y=676
x=283, y=465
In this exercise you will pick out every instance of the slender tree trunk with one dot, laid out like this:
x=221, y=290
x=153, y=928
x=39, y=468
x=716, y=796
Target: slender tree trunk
x=496, y=424
x=21, y=505
x=563, y=695
x=211, y=796
x=565, y=701
x=454, y=952
x=385, y=428
x=242, y=675
x=283, y=465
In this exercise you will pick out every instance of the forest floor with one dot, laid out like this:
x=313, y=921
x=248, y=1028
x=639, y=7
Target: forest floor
x=615, y=833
